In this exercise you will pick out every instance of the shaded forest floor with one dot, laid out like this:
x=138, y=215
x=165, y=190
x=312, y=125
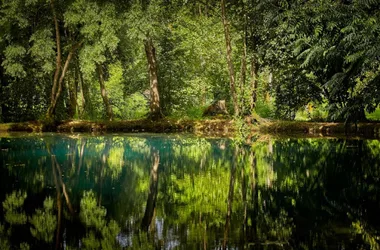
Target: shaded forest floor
x=218, y=127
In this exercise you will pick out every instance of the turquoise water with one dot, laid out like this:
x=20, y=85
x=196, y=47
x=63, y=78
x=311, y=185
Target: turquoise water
x=183, y=192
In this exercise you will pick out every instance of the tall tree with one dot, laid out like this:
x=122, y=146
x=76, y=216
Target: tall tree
x=104, y=93
x=60, y=72
x=97, y=26
x=145, y=23
x=229, y=58
x=150, y=50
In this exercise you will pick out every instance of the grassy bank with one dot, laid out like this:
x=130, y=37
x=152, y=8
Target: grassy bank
x=221, y=127
x=217, y=126
x=319, y=128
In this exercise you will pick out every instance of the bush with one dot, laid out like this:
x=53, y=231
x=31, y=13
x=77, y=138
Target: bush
x=265, y=109
x=192, y=113
x=374, y=116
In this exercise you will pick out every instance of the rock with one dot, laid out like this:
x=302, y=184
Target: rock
x=216, y=108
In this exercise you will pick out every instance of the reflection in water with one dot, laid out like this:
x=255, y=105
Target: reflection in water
x=164, y=192
x=230, y=196
x=59, y=202
x=153, y=190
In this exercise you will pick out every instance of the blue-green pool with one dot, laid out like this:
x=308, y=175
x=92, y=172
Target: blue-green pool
x=126, y=191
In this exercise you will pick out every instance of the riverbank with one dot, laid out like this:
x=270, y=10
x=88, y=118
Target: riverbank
x=219, y=127
x=323, y=129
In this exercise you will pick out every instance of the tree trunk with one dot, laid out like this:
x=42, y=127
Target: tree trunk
x=155, y=108
x=253, y=84
x=104, y=94
x=58, y=63
x=73, y=95
x=153, y=190
x=59, y=74
x=243, y=69
x=243, y=77
x=86, y=101
x=267, y=94
x=229, y=58
x=59, y=53
x=57, y=87
x=3, y=84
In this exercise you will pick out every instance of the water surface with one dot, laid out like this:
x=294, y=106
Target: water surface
x=183, y=192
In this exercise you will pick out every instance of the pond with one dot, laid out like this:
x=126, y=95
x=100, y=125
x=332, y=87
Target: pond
x=126, y=191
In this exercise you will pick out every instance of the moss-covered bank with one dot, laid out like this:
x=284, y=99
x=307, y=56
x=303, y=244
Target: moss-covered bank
x=221, y=127
x=371, y=130
x=217, y=126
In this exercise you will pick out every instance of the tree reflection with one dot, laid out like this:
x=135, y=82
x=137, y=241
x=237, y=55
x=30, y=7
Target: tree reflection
x=44, y=222
x=153, y=190
x=13, y=208
x=111, y=192
x=103, y=160
x=93, y=217
x=230, y=195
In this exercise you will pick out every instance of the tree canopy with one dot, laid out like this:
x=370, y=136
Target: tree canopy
x=95, y=59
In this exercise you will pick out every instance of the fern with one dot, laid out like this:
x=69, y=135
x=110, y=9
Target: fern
x=313, y=56
x=352, y=58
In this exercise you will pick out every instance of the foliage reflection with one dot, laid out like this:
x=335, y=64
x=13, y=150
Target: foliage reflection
x=149, y=192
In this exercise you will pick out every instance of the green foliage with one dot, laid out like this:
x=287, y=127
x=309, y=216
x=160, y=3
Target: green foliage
x=194, y=72
x=13, y=208
x=265, y=109
x=317, y=52
x=275, y=183
x=90, y=213
x=336, y=48
x=98, y=29
x=14, y=55
x=192, y=113
x=44, y=222
x=42, y=49
x=93, y=216
x=136, y=107
x=4, y=242
x=374, y=116
x=312, y=112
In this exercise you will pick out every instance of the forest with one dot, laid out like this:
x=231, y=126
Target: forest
x=110, y=60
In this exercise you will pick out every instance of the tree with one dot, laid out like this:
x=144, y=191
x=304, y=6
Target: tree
x=229, y=58
x=97, y=26
x=144, y=21
x=60, y=72
x=327, y=57
x=150, y=50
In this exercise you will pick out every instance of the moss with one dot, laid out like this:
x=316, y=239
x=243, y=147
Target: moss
x=33, y=126
x=213, y=127
x=319, y=128
x=146, y=125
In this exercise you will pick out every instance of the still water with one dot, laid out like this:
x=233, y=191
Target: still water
x=183, y=192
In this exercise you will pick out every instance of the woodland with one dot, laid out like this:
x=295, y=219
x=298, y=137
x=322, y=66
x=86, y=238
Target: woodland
x=315, y=60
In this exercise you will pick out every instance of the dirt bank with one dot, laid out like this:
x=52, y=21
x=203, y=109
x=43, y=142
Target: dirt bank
x=327, y=129
x=219, y=127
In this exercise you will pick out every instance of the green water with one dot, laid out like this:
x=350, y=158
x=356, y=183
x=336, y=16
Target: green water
x=183, y=192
